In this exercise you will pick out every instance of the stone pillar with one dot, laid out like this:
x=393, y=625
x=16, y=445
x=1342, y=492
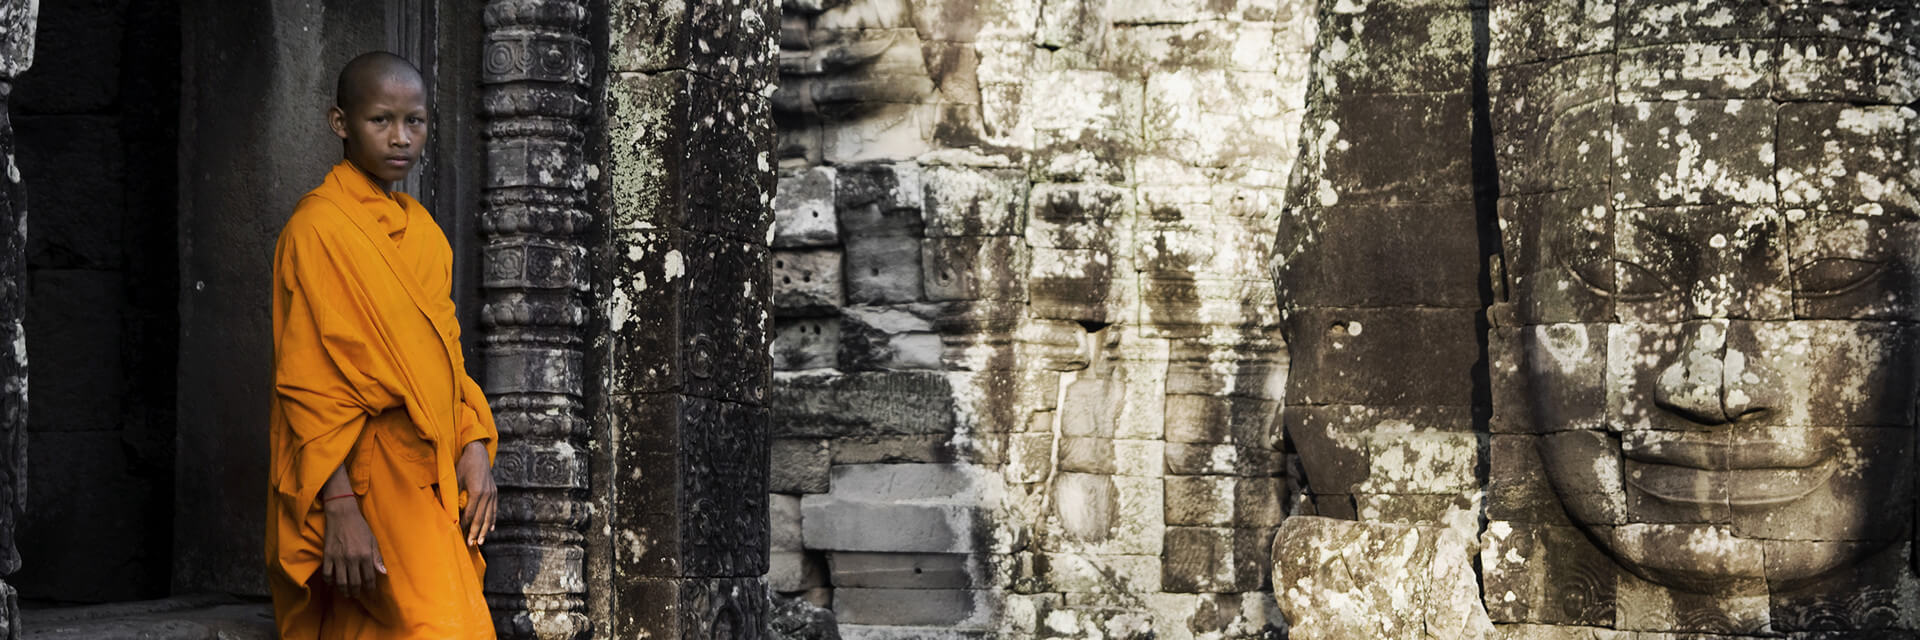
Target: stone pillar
x=537, y=70
x=684, y=292
x=1380, y=264
x=16, y=54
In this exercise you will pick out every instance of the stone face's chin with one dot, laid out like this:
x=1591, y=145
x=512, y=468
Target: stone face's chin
x=1718, y=520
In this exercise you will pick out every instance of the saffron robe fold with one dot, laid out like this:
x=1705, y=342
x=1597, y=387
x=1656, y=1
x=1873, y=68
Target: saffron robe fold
x=368, y=372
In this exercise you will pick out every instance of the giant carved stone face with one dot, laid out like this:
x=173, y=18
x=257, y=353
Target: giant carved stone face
x=1714, y=277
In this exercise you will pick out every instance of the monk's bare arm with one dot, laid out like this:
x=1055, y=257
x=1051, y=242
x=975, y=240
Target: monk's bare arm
x=350, y=559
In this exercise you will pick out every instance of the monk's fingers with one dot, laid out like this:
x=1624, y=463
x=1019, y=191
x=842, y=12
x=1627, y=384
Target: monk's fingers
x=492, y=514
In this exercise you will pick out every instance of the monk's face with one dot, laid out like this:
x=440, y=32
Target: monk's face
x=386, y=130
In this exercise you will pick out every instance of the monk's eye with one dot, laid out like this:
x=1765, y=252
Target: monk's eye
x=1833, y=276
x=1619, y=279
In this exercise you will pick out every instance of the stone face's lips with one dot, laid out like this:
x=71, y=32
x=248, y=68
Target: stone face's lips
x=1709, y=468
x=1739, y=488
x=1711, y=451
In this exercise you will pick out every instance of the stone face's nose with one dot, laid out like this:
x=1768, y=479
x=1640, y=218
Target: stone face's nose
x=1692, y=382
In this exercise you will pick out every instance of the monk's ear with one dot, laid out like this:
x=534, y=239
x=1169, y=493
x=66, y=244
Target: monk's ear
x=337, y=120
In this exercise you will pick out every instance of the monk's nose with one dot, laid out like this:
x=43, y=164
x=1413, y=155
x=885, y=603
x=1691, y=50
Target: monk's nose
x=1693, y=382
x=401, y=138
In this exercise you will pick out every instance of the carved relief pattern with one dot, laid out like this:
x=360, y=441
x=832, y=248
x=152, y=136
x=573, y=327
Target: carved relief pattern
x=535, y=81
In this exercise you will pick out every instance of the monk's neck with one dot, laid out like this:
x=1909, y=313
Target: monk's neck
x=386, y=189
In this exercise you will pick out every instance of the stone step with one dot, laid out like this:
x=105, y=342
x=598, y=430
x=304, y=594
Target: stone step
x=194, y=617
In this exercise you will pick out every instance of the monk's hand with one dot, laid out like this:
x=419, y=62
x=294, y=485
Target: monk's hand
x=351, y=559
x=483, y=499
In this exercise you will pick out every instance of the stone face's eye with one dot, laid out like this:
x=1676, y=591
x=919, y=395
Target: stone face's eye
x=1833, y=276
x=1619, y=279
x=1636, y=282
x=1596, y=273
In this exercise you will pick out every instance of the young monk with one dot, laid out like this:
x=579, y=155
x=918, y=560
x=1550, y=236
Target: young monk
x=382, y=480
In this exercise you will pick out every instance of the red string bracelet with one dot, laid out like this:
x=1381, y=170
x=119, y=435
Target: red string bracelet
x=333, y=498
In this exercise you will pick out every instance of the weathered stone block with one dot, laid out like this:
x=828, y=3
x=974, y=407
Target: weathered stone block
x=1525, y=32
x=881, y=199
x=1558, y=255
x=783, y=523
x=876, y=403
x=1215, y=560
x=1259, y=502
x=1339, y=579
x=894, y=449
x=1387, y=147
x=915, y=508
x=1825, y=245
x=957, y=608
x=1844, y=70
x=1198, y=419
x=904, y=570
x=1077, y=216
x=1198, y=501
x=806, y=282
x=1101, y=574
x=888, y=338
x=1382, y=357
x=1107, y=515
x=1517, y=486
x=1821, y=164
x=883, y=269
x=1552, y=124
x=799, y=466
x=1724, y=69
x=1546, y=574
x=837, y=524
x=731, y=41
x=1225, y=460
x=1395, y=51
x=969, y=201
x=1381, y=255
x=806, y=343
x=1077, y=284
x=1732, y=165
x=792, y=571
x=691, y=139
x=803, y=209
x=690, y=607
x=974, y=268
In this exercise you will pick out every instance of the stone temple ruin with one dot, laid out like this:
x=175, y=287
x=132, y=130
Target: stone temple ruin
x=949, y=319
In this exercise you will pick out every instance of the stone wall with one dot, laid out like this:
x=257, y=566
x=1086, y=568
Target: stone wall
x=1026, y=351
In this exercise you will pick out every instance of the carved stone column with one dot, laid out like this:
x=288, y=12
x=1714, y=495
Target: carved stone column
x=537, y=72
x=683, y=286
x=16, y=54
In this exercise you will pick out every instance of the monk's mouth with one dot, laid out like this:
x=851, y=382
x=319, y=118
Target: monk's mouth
x=1715, y=469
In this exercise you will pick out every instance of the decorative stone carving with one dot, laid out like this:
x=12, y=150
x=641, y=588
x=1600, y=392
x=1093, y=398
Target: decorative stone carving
x=534, y=322
x=1694, y=231
x=16, y=55
x=1709, y=312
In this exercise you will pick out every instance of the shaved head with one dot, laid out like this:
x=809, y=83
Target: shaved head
x=364, y=75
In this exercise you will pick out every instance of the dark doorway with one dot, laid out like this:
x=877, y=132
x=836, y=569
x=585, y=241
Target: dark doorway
x=96, y=118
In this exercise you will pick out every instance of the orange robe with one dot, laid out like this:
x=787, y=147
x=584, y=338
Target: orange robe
x=368, y=372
